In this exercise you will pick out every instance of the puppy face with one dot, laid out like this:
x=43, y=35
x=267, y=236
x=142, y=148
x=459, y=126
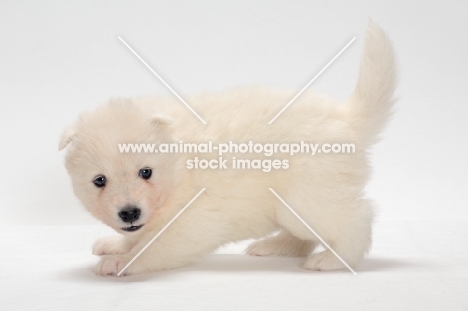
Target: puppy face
x=124, y=190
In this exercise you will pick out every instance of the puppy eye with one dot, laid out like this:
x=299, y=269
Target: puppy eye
x=145, y=173
x=100, y=181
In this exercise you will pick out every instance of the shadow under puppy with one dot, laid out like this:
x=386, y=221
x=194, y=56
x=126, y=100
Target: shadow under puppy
x=138, y=193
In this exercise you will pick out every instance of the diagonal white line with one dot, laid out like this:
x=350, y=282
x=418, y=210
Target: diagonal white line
x=311, y=81
x=313, y=231
x=162, y=80
x=160, y=232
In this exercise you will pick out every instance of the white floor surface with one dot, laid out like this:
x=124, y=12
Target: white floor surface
x=413, y=266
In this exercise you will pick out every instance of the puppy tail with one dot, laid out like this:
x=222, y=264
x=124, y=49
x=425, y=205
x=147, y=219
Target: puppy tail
x=370, y=106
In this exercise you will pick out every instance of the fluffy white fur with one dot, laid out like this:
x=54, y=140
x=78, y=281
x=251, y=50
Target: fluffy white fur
x=327, y=190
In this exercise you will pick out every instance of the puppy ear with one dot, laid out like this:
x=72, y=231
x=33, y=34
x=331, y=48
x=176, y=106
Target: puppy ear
x=67, y=137
x=161, y=119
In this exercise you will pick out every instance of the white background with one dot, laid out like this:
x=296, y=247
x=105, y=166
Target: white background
x=59, y=58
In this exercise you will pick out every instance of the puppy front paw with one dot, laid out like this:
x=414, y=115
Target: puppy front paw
x=112, y=265
x=111, y=245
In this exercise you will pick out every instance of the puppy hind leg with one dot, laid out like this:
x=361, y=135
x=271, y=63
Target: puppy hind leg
x=345, y=227
x=351, y=244
x=327, y=261
x=282, y=244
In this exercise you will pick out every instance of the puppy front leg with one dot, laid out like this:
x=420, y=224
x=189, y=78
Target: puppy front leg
x=191, y=236
x=112, y=245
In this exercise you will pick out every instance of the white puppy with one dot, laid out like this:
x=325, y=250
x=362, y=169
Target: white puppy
x=137, y=194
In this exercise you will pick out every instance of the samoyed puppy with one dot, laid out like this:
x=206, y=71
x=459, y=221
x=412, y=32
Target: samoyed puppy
x=138, y=193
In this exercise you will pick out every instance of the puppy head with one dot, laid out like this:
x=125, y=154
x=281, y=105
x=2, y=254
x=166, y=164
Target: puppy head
x=122, y=189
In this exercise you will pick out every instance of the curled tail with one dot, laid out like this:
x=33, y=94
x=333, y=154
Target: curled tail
x=370, y=106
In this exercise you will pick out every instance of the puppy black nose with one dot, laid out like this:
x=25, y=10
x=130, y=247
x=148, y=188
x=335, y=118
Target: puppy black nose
x=130, y=214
